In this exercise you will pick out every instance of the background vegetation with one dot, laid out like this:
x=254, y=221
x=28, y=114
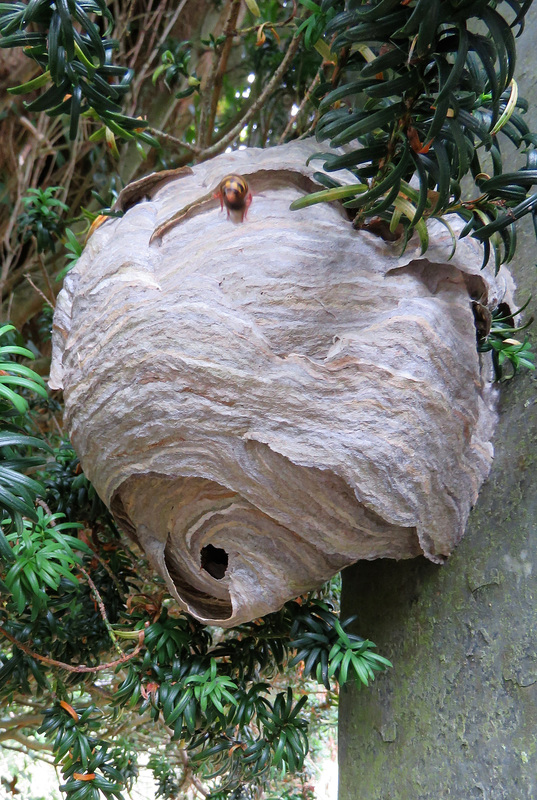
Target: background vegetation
x=96, y=665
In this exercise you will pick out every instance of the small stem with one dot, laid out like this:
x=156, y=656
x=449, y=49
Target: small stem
x=109, y=572
x=203, y=154
x=205, y=100
x=255, y=28
x=167, y=138
x=16, y=736
x=102, y=609
x=46, y=509
x=342, y=60
x=47, y=279
x=188, y=774
x=39, y=292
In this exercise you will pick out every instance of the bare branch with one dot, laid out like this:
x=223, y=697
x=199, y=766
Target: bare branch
x=69, y=667
x=162, y=38
x=39, y=292
x=261, y=100
x=167, y=138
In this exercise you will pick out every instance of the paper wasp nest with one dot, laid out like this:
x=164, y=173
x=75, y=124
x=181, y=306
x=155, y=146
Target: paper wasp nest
x=262, y=404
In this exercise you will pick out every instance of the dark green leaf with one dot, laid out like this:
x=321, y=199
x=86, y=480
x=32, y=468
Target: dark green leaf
x=369, y=123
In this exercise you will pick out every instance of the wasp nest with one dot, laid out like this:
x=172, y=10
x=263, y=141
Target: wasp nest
x=261, y=404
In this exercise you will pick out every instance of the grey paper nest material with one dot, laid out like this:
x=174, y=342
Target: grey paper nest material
x=262, y=404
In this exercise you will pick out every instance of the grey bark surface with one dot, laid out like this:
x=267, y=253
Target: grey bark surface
x=457, y=716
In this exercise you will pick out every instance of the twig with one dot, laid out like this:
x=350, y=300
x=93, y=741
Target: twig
x=261, y=100
x=341, y=62
x=39, y=292
x=311, y=127
x=33, y=130
x=72, y=163
x=21, y=700
x=69, y=667
x=169, y=139
x=108, y=696
x=152, y=25
x=46, y=509
x=56, y=424
x=305, y=99
x=218, y=80
x=283, y=24
x=129, y=725
x=9, y=305
x=102, y=609
x=255, y=28
x=21, y=721
x=46, y=277
x=336, y=74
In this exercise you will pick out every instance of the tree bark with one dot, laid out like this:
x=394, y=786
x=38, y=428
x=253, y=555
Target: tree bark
x=457, y=715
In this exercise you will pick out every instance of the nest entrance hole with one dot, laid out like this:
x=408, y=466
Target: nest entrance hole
x=214, y=560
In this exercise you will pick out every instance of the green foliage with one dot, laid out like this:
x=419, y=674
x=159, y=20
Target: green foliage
x=78, y=75
x=91, y=766
x=44, y=555
x=74, y=250
x=174, y=68
x=427, y=90
x=18, y=491
x=314, y=25
x=208, y=697
x=165, y=776
x=328, y=651
x=238, y=730
x=41, y=217
x=68, y=491
x=497, y=337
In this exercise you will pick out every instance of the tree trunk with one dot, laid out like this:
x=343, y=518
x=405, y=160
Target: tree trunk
x=457, y=715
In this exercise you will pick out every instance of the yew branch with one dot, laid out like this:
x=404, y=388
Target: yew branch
x=69, y=667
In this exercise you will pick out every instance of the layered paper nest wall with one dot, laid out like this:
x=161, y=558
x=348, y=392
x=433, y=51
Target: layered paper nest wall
x=262, y=404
